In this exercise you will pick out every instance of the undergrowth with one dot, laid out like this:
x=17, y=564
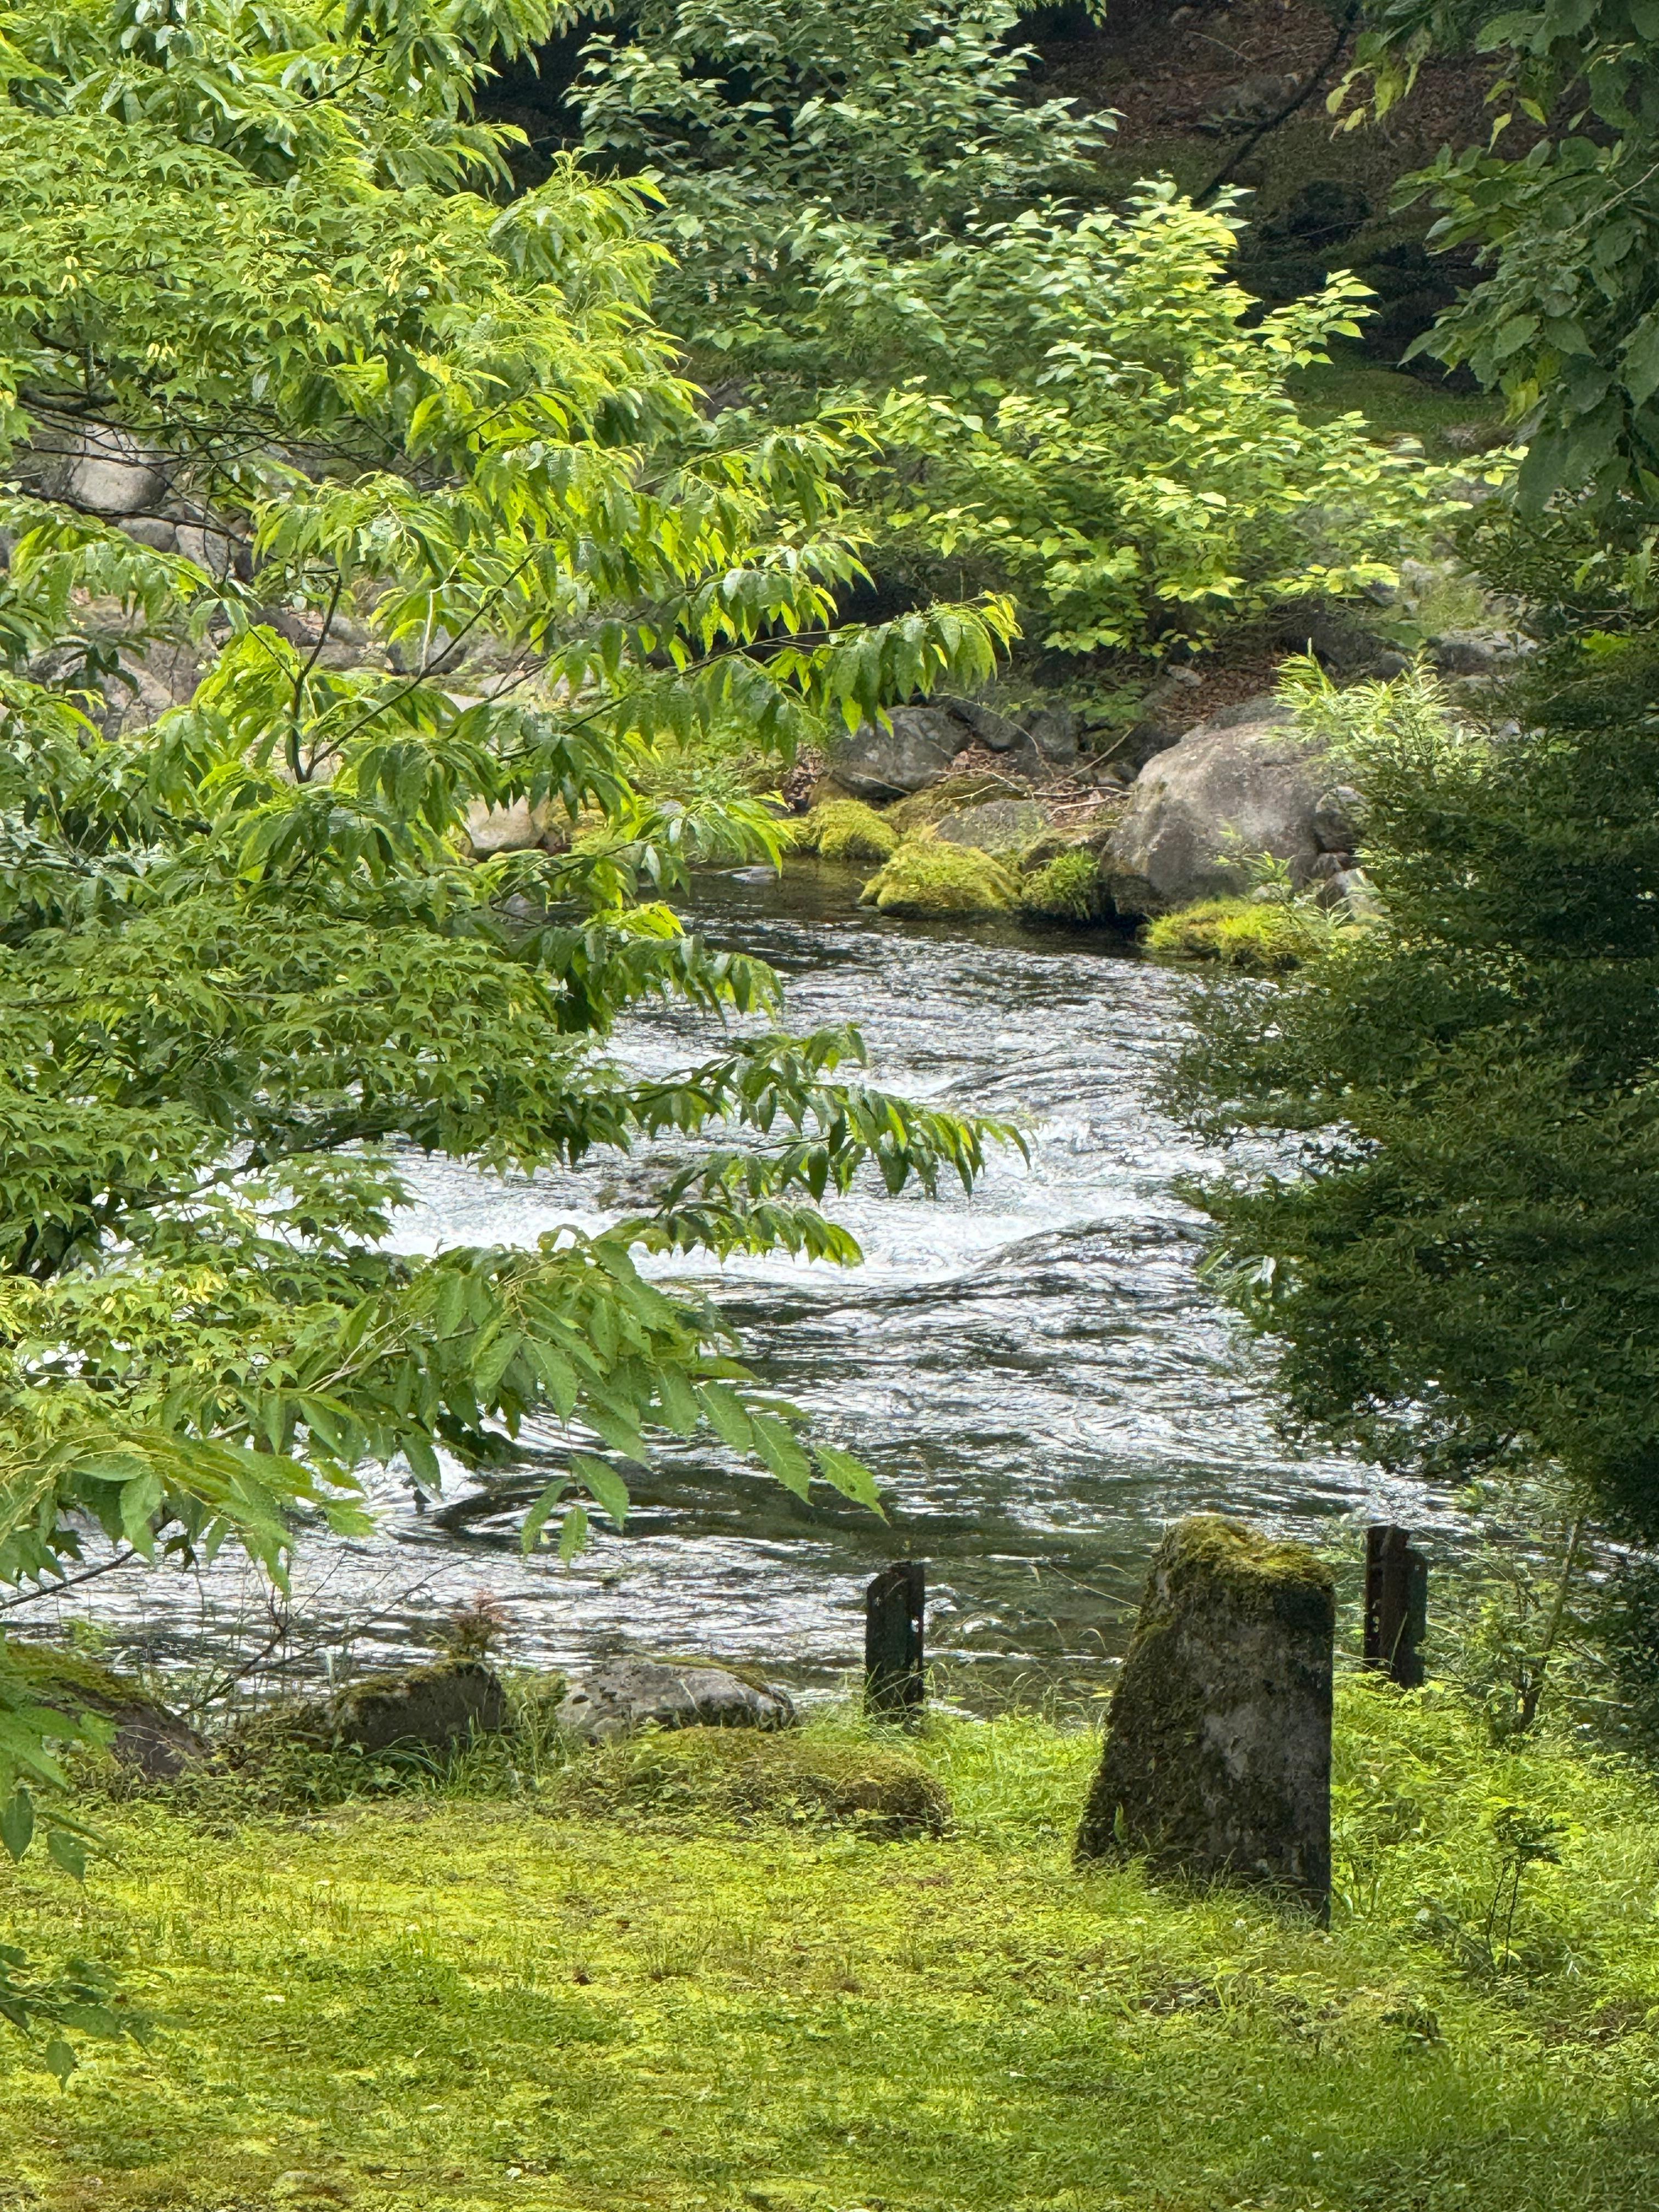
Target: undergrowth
x=659, y=1976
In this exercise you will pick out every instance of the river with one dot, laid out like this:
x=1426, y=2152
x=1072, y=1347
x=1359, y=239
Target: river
x=1035, y=1373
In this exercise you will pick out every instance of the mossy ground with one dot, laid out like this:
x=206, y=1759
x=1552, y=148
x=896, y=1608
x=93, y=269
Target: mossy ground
x=466, y=1997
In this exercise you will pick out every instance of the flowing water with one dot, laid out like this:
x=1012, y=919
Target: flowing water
x=1035, y=1373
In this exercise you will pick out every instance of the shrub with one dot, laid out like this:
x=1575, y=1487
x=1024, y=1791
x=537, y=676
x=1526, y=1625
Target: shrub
x=926, y=877
x=1067, y=890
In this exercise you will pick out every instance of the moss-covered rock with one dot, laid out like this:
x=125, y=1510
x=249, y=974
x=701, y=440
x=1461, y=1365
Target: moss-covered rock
x=145, y=1737
x=951, y=796
x=721, y=1774
x=1262, y=937
x=926, y=877
x=845, y=829
x=994, y=825
x=437, y=1710
x=1217, y=1755
x=1065, y=889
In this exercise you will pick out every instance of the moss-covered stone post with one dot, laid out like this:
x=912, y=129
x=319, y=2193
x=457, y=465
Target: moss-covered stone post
x=1217, y=1757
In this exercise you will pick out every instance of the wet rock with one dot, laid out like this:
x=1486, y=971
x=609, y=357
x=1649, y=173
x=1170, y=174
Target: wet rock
x=999, y=825
x=919, y=749
x=625, y=1695
x=1228, y=790
x=439, y=1709
x=1217, y=1755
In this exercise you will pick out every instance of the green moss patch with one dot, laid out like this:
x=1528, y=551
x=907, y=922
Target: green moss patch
x=926, y=877
x=706, y=1774
x=1066, y=889
x=1264, y=937
x=845, y=829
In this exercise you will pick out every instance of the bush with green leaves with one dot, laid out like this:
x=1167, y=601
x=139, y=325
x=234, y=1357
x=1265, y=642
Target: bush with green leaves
x=1090, y=408
x=784, y=131
x=258, y=263
x=1566, y=320
x=1460, y=1276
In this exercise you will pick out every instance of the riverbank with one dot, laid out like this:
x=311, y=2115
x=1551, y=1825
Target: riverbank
x=600, y=1981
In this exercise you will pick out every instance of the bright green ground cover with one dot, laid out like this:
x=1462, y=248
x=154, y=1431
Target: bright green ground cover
x=593, y=1994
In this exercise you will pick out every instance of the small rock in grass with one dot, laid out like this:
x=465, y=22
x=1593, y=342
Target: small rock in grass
x=626, y=1695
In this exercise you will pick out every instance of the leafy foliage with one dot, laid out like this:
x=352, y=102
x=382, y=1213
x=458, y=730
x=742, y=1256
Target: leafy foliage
x=1460, y=1275
x=253, y=266
x=1071, y=402
x=1567, y=323
x=788, y=132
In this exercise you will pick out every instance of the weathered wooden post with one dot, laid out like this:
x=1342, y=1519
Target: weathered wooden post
x=1217, y=1756
x=1396, y=1604
x=893, y=1606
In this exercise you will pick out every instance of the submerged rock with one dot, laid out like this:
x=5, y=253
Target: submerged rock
x=626, y=1695
x=1227, y=791
x=1217, y=1756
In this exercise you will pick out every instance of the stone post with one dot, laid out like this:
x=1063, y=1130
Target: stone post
x=894, y=1686
x=1396, y=1604
x=1217, y=1757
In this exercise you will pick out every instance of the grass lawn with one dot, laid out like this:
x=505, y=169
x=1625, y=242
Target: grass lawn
x=621, y=1982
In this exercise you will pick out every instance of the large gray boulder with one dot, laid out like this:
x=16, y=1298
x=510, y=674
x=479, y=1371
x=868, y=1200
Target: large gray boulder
x=1228, y=790
x=1217, y=1758
x=876, y=764
x=625, y=1695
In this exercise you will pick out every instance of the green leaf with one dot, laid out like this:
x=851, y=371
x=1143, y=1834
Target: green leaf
x=17, y=1822
x=727, y=1416
x=776, y=1445
x=572, y=1535
x=603, y=1481
x=847, y=1475
x=536, y=1519
x=59, y=2060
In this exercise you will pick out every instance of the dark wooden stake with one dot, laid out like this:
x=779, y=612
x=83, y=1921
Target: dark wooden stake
x=893, y=1607
x=1396, y=1604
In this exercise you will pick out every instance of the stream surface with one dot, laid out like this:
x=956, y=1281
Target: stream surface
x=1035, y=1373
